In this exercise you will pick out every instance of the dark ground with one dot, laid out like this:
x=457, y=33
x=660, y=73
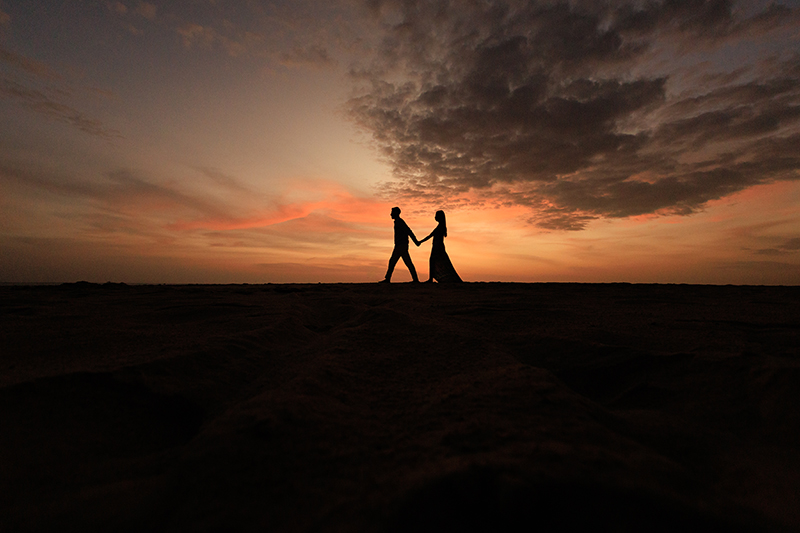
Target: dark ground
x=369, y=407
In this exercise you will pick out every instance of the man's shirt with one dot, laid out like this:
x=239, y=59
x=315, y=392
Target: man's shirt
x=401, y=232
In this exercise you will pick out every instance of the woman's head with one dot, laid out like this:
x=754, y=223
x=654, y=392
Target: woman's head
x=439, y=217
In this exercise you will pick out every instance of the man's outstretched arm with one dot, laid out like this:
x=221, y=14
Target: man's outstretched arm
x=413, y=237
x=410, y=233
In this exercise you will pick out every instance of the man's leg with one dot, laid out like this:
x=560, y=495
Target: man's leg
x=407, y=260
x=392, y=262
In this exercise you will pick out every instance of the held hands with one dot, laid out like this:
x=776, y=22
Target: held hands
x=418, y=242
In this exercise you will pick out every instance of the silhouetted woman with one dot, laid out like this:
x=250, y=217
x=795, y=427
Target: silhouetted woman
x=440, y=267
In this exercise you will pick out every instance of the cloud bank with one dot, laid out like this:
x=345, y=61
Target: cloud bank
x=582, y=110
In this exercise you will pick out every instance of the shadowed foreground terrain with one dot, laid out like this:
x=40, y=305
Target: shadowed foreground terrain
x=399, y=407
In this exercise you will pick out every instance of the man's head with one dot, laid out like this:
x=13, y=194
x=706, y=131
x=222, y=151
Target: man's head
x=395, y=212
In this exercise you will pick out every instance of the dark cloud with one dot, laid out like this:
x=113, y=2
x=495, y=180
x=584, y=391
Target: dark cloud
x=792, y=244
x=789, y=246
x=538, y=104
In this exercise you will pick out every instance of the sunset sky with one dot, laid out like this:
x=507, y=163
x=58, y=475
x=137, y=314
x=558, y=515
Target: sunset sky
x=211, y=141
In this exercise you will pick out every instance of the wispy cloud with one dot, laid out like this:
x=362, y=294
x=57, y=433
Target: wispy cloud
x=38, y=102
x=303, y=33
x=118, y=7
x=233, y=41
x=193, y=34
x=313, y=55
x=319, y=198
x=27, y=65
x=312, y=224
x=116, y=196
x=539, y=104
x=222, y=179
x=146, y=10
x=49, y=99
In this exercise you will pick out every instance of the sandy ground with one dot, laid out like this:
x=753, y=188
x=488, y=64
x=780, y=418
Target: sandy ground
x=399, y=407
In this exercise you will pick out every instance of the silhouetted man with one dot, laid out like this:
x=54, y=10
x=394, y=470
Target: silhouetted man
x=401, y=234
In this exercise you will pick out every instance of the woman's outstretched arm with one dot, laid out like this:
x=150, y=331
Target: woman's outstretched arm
x=428, y=237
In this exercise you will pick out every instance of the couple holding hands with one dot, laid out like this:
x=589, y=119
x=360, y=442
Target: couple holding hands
x=441, y=269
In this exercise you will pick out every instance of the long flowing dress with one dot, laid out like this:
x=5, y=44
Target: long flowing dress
x=441, y=268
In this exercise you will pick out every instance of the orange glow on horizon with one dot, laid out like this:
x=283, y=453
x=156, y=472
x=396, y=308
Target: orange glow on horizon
x=336, y=202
